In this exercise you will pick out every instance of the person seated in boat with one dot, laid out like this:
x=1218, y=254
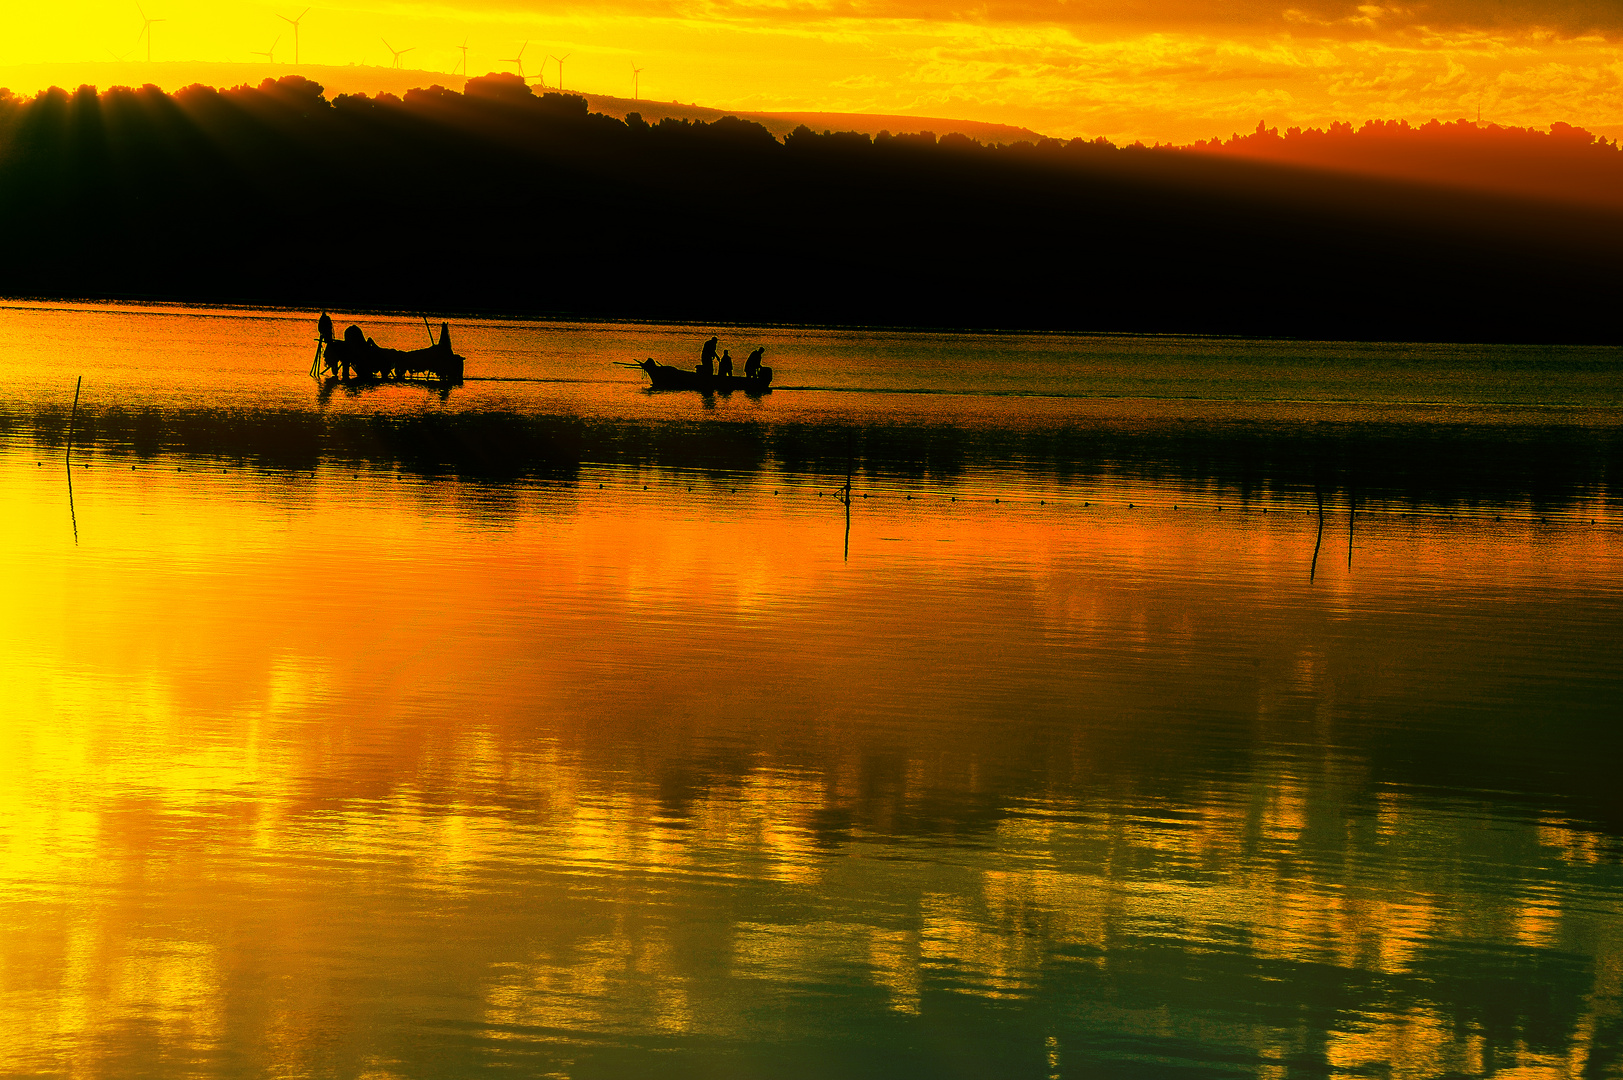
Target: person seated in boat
x=648, y=365
x=707, y=359
x=324, y=328
x=752, y=366
x=725, y=366
x=354, y=342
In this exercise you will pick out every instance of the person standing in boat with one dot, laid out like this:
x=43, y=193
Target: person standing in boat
x=324, y=335
x=707, y=359
x=725, y=367
x=752, y=366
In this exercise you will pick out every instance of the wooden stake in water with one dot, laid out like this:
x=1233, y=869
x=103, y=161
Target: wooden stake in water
x=1352, y=512
x=67, y=459
x=72, y=416
x=1314, y=569
x=845, y=496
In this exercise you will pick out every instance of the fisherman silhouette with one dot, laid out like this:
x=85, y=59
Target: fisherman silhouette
x=752, y=366
x=324, y=339
x=354, y=342
x=726, y=365
x=707, y=359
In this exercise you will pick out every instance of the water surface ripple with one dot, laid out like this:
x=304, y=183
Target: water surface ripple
x=1157, y=707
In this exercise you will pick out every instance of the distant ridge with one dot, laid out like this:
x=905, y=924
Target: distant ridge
x=28, y=79
x=780, y=124
x=497, y=200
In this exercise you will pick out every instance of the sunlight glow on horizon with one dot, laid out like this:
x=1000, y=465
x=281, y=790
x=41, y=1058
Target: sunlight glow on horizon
x=1180, y=74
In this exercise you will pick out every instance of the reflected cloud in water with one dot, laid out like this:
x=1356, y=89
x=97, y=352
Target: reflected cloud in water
x=621, y=748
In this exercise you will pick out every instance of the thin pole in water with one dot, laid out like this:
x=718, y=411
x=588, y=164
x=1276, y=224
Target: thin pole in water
x=428, y=328
x=72, y=516
x=67, y=458
x=72, y=416
x=1352, y=512
x=1311, y=570
x=850, y=467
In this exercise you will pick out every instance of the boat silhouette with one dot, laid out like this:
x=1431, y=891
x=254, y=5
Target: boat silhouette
x=668, y=377
x=356, y=356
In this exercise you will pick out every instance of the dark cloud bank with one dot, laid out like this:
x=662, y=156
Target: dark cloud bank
x=500, y=201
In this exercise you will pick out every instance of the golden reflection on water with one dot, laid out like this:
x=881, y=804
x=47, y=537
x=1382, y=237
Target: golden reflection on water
x=339, y=773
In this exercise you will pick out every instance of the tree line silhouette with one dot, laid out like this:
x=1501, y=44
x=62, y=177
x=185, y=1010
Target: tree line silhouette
x=1565, y=163
x=500, y=200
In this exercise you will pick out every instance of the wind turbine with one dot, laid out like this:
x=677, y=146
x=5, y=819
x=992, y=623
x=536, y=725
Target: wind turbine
x=636, y=72
x=398, y=53
x=464, y=48
x=295, y=23
x=146, y=28
x=519, y=59
x=561, y=60
x=271, y=55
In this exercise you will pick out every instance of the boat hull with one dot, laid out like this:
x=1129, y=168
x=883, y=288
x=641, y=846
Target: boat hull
x=664, y=377
x=371, y=362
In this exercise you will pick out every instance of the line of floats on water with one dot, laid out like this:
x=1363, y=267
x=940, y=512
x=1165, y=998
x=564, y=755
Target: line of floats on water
x=356, y=358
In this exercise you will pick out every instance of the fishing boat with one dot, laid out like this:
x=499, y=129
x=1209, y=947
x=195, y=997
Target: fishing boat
x=356, y=356
x=667, y=377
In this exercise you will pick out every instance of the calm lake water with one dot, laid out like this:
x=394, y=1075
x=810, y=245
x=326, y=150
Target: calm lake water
x=547, y=726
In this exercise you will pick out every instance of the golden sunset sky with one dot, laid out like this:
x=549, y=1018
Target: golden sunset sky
x=1126, y=69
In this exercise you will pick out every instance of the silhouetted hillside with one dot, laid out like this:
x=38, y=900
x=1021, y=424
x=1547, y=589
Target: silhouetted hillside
x=375, y=79
x=1565, y=163
x=499, y=200
x=781, y=124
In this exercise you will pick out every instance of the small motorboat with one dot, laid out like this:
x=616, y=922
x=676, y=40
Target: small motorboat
x=666, y=377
